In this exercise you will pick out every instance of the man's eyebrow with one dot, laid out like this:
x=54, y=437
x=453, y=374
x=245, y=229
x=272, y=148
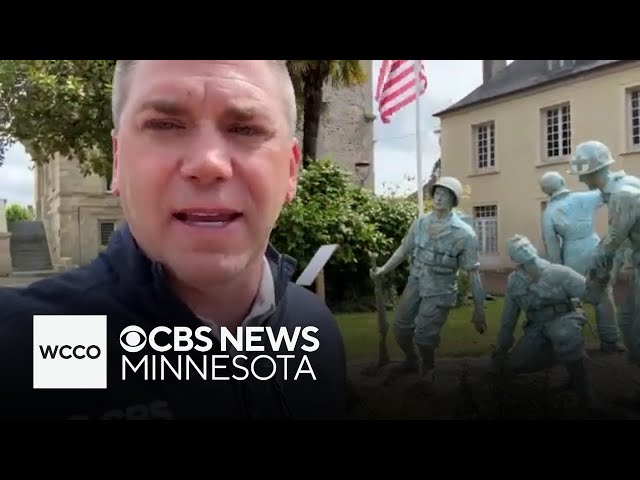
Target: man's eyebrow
x=164, y=105
x=244, y=112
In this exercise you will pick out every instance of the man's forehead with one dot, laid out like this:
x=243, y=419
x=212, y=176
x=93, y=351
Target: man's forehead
x=242, y=90
x=252, y=72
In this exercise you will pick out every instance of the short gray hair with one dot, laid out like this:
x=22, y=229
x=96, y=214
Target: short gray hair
x=122, y=77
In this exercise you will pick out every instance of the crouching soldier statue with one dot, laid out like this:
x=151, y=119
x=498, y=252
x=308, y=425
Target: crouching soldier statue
x=440, y=243
x=546, y=293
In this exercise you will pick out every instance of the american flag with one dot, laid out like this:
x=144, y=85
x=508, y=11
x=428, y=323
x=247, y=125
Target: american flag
x=397, y=86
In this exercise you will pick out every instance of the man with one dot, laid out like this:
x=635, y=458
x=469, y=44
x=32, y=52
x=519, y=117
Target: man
x=553, y=331
x=440, y=244
x=570, y=239
x=591, y=163
x=204, y=159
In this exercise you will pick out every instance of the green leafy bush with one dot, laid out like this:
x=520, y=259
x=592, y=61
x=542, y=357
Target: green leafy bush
x=17, y=212
x=329, y=209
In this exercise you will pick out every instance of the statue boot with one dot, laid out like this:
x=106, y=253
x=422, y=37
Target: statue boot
x=579, y=380
x=611, y=347
x=426, y=377
x=410, y=363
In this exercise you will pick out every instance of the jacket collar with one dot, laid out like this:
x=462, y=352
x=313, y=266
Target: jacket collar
x=135, y=269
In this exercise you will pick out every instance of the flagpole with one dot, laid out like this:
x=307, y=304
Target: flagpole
x=418, y=140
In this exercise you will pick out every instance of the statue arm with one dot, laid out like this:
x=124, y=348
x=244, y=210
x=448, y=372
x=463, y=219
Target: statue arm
x=405, y=248
x=623, y=212
x=470, y=262
x=575, y=284
x=508, y=321
x=477, y=290
x=592, y=199
x=619, y=260
x=551, y=240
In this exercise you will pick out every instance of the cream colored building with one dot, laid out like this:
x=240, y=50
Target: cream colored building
x=79, y=213
x=527, y=119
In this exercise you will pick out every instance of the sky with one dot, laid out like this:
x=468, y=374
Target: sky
x=394, y=147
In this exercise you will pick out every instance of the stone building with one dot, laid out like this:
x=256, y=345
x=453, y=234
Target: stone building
x=5, y=253
x=79, y=213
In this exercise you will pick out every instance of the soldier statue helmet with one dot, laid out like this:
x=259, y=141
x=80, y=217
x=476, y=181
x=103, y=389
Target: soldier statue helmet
x=590, y=157
x=452, y=184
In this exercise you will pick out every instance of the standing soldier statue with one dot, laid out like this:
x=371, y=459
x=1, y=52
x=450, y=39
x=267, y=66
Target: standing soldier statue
x=544, y=291
x=570, y=239
x=440, y=244
x=621, y=192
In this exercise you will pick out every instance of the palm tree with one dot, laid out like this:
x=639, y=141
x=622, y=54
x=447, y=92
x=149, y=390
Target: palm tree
x=309, y=78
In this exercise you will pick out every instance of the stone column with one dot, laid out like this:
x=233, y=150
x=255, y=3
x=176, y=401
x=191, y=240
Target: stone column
x=5, y=236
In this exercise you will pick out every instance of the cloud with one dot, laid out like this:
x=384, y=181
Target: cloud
x=16, y=179
x=395, y=143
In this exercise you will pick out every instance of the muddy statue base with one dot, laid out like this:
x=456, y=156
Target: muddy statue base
x=467, y=389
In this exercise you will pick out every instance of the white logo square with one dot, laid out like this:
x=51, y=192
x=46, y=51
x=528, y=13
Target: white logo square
x=70, y=351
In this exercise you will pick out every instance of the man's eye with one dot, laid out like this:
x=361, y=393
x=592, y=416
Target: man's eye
x=246, y=130
x=162, y=125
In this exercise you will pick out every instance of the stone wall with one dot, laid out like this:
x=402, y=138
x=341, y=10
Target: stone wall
x=3, y=216
x=79, y=222
x=71, y=207
x=346, y=126
x=5, y=236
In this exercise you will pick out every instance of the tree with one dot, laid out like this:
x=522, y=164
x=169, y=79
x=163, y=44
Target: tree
x=64, y=106
x=17, y=212
x=61, y=106
x=309, y=78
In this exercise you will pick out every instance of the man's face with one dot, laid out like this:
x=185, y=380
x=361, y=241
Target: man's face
x=442, y=199
x=592, y=180
x=204, y=161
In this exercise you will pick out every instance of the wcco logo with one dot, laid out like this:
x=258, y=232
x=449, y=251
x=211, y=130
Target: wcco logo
x=69, y=351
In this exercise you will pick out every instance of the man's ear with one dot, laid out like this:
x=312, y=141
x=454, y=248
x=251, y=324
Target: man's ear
x=115, y=187
x=295, y=162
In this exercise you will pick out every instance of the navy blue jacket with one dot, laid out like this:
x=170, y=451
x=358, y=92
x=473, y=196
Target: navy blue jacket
x=125, y=285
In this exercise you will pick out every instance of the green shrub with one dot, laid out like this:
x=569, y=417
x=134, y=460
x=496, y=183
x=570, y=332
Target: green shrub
x=328, y=209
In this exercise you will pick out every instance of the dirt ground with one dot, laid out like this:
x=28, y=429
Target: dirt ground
x=465, y=388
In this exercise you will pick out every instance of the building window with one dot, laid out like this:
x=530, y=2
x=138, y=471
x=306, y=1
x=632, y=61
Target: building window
x=106, y=230
x=485, y=219
x=634, y=118
x=485, y=146
x=557, y=123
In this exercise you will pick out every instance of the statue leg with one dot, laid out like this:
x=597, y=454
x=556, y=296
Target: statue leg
x=634, y=330
x=533, y=352
x=565, y=333
x=629, y=321
x=431, y=319
x=624, y=313
x=404, y=325
x=608, y=330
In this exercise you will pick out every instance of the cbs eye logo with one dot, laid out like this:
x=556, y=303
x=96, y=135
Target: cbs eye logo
x=133, y=339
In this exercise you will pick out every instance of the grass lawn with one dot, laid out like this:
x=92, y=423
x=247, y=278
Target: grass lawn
x=458, y=337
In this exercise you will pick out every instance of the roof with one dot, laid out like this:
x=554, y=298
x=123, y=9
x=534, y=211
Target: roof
x=522, y=75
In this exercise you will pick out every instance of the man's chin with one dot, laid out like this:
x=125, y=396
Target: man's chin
x=210, y=268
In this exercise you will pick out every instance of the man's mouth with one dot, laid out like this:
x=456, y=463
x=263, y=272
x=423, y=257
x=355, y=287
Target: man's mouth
x=207, y=218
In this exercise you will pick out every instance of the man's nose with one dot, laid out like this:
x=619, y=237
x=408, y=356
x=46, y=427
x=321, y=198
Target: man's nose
x=209, y=160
